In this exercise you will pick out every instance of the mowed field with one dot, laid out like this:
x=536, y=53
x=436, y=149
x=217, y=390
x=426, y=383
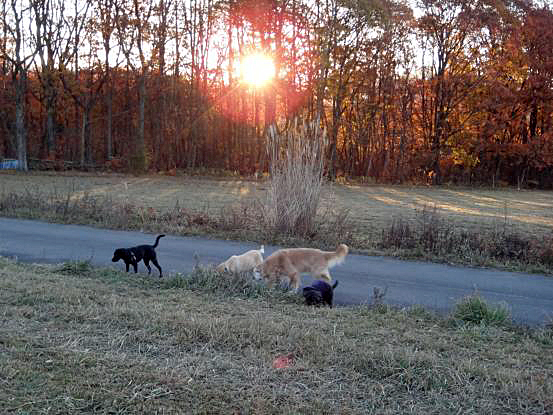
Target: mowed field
x=369, y=207
x=77, y=339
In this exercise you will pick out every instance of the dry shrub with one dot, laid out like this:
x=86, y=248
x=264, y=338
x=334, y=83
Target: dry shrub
x=296, y=168
x=238, y=217
x=430, y=233
x=399, y=235
x=545, y=250
x=334, y=227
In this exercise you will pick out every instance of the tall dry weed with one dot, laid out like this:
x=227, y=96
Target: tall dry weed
x=296, y=166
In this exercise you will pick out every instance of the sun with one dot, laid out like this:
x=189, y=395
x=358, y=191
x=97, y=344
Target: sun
x=257, y=69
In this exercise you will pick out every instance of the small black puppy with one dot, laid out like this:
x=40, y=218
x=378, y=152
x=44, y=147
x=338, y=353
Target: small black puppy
x=319, y=293
x=132, y=256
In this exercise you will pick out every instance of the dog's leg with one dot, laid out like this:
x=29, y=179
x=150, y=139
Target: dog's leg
x=154, y=261
x=127, y=266
x=292, y=273
x=270, y=281
x=135, y=266
x=147, y=263
x=295, y=281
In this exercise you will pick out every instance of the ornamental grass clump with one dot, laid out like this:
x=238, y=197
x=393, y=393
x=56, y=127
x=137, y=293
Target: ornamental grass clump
x=296, y=170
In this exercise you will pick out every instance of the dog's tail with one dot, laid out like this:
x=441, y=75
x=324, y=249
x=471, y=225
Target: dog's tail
x=342, y=250
x=157, y=240
x=262, y=249
x=337, y=257
x=335, y=284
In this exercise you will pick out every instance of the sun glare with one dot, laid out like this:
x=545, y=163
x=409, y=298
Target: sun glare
x=257, y=69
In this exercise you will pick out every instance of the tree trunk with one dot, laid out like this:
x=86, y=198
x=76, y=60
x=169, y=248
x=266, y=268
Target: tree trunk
x=20, y=130
x=436, y=151
x=50, y=100
x=83, y=140
x=88, y=136
x=139, y=158
x=141, y=121
x=86, y=142
x=109, y=127
x=158, y=124
x=333, y=138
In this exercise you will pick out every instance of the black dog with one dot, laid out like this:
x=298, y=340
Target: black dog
x=132, y=256
x=319, y=293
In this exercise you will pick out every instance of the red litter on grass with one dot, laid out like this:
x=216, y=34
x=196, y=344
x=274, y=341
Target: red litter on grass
x=282, y=362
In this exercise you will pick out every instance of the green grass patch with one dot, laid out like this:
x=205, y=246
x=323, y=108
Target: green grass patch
x=240, y=285
x=81, y=267
x=78, y=339
x=475, y=310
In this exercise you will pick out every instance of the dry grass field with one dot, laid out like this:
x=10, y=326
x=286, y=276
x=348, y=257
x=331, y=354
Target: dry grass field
x=369, y=207
x=502, y=228
x=74, y=339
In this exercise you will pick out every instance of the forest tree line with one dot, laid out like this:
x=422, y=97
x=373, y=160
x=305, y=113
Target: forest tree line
x=432, y=90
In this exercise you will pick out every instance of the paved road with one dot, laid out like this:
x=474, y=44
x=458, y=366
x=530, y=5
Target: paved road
x=434, y=286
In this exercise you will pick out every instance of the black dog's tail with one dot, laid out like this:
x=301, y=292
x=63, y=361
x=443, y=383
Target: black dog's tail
x=335, y=284
x=157, y=240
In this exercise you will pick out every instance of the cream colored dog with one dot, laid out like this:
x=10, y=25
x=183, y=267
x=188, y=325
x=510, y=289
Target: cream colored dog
x=291, y=263
x=242, y=263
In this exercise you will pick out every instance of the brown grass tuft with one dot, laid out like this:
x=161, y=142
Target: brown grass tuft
x=296, y=169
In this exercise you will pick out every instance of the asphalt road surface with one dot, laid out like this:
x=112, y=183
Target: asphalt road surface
x=433, y=286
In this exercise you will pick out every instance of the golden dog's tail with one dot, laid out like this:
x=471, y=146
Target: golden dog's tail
x=342, y=250
x=338, y=256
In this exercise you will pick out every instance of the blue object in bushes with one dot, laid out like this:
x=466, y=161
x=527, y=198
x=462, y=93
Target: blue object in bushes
x=9, y=164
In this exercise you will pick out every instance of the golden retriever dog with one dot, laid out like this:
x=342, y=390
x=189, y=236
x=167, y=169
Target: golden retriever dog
x=242, y=263
x=293, y=262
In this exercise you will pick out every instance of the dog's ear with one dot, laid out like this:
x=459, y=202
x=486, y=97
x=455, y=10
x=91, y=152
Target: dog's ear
x=230, y=264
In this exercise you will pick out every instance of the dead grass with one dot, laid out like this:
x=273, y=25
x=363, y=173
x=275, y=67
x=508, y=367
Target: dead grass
x=78, y=339
x=429, y=235
x=370, y=206
x=296, y=165
x=502, y=228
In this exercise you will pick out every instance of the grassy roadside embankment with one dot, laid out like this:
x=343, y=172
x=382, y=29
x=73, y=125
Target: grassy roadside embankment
x=502, y=228
x=76, y=339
